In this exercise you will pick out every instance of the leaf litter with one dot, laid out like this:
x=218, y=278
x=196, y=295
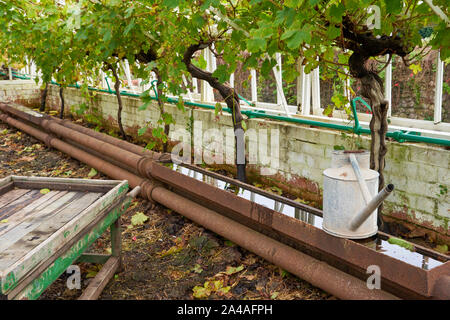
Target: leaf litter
x=165, y=256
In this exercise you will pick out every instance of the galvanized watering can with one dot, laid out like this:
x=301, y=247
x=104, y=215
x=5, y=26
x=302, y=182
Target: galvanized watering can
x=350, y=196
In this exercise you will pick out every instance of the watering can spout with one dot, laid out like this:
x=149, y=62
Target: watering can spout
x=373, y=204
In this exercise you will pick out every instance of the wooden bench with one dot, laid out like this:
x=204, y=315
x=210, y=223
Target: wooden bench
x=47, y=224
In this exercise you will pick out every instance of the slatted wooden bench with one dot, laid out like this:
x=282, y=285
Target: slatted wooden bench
x=47, y=225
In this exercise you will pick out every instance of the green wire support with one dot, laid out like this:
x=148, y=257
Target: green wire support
x=155, y=90
x=20, y=76
x=107, y=83
x=246, y=101
x=400, y=136
x=357, y=128
x=240, y=97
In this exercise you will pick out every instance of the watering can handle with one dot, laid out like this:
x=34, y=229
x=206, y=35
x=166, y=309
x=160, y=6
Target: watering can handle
x=361, y=181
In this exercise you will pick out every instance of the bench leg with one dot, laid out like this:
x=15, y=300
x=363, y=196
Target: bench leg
x=116, y=242
x=95, y=288
x=112, y=265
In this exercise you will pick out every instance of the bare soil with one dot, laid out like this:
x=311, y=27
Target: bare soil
x=167, y=256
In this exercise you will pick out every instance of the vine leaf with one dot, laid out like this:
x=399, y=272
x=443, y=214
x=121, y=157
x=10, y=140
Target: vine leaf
x=138, y=219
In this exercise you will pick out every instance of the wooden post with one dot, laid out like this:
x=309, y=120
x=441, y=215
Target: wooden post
x=281, y=99
x=299, y=86
x=315, y=87
x=116, y=241
x=388, y=87
x=232, y=80
x=306, y=93
x=207, y=90
x=438, y=91
x=254, y=85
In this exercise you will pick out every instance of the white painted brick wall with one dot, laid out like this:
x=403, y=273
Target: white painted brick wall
x=419, y=172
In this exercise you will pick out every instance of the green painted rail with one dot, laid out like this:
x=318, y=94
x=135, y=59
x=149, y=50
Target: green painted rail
x=400, y=136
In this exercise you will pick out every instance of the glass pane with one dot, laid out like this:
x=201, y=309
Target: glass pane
x=413, y=92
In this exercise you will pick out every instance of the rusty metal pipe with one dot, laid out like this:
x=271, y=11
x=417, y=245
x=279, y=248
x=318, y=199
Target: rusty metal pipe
x=241, y=208
x=125, y=145
x=140, y=163
x=95, y=162
x=35, y=119
x=316, y=272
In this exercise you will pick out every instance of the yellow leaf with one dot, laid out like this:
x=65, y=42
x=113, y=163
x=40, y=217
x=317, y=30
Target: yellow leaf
x=170, y=251
x=224, y=290
x=232, y=270
x=138, y=219
x=44, y=191
x=200, y=292
x=416, y=68
x=91, y=274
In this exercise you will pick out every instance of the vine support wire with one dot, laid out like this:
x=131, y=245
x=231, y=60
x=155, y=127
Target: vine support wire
x=438, y=91
x=388, y=86
x=126, y=68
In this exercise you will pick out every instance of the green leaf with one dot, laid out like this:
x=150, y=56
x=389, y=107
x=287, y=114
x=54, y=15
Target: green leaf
x=288, y=34
x=144, y=106
x=337, y=11
x=92, y=173
x=255, y=45
x=201, y=292
x=394, y=6
x=232, y=270
x=298, y=38
x=221, y=73
x=224, y=290
x=91, y=274
x=44, y=191
x=170, y=251
x=333, y=32
x=171, y=3
x=129, y=27
x=197, y=268
x=138, y=219
x=229, y=243
x=416, y=68
x=441, y=248
x=142, y=131
x=401, y=243
x=217, y=108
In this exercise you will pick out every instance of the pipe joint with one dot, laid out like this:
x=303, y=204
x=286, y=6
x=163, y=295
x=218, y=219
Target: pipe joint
x=144, y=166
x=45, y=124
x=48, y=140
x=147, y=188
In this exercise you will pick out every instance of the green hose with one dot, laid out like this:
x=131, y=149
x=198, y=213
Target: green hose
x=399, y=136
